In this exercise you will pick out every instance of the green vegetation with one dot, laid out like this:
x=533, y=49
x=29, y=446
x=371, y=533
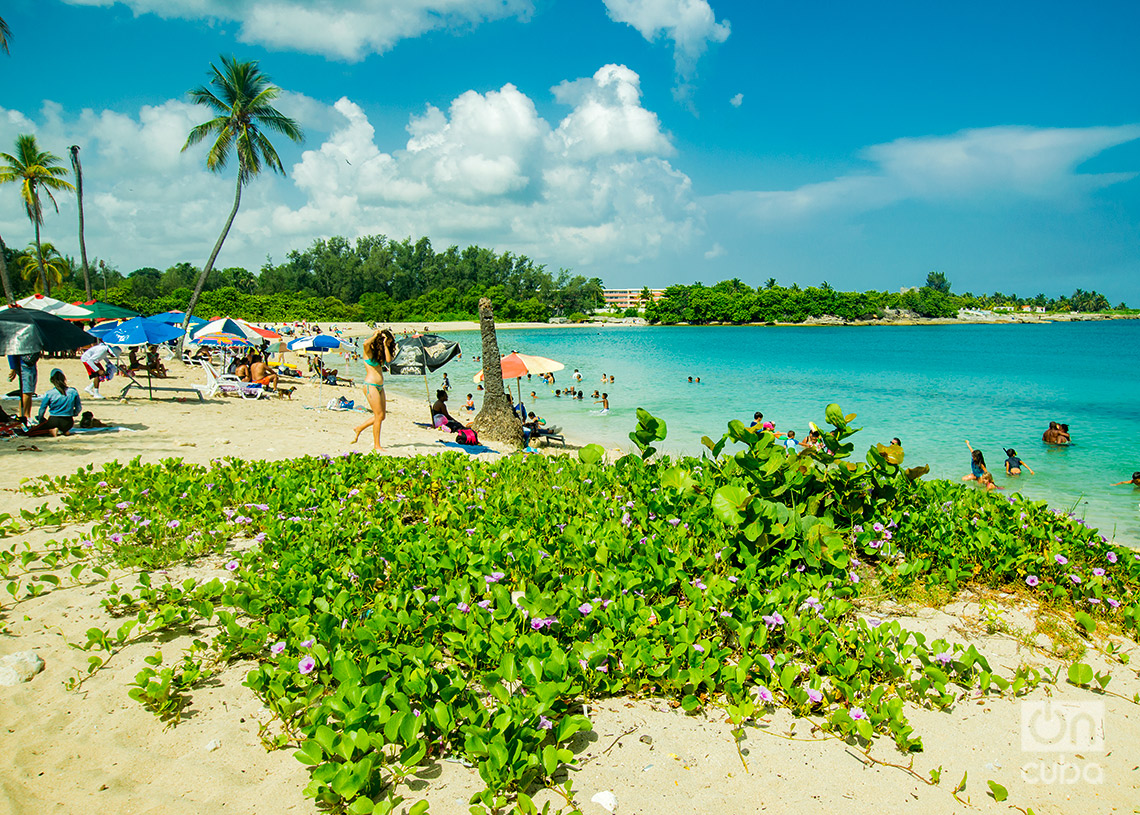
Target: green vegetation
x=401, y=611
x=732, y=301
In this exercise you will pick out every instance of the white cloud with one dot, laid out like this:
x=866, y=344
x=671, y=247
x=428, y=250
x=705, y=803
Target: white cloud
x=346, y=29
x=596, y=188
x=715, y=252
x=986, y=164
x=690, y=24
x=737, y=100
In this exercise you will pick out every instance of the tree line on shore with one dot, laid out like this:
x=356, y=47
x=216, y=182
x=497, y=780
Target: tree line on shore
x=732, y=301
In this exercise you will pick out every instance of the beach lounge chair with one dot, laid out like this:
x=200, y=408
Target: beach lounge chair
x=227, y=384
x=549, y=435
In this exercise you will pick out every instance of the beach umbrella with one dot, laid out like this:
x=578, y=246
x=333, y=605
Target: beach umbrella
x=420, y=354
x=516, y=366
x=318, y=342
x=105, y=311
x=223, y=339
x=140, y=331
x=230, y=325
x=39, y=302
x=26, y=331
x=176, y=318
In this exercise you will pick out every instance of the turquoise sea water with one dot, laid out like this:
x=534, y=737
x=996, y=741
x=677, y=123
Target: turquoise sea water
x=932, y=386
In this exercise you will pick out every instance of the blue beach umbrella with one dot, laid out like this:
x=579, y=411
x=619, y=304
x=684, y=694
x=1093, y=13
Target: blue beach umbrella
x=176, y=318
x=318, y=342
x=140, y=331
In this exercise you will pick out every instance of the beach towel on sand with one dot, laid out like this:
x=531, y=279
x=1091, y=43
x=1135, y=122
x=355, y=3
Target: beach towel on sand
x=473, y=449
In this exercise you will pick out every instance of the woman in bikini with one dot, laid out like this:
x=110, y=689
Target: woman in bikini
x=379, y=350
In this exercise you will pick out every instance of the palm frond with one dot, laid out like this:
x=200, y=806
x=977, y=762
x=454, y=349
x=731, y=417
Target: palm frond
x=5, y=35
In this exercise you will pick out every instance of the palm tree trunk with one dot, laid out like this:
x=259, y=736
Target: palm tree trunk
x=79, y=194
x=210, y=263
x=40, y=259
x=497, y=420
x=9, y=298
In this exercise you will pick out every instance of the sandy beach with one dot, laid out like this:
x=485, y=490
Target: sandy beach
x=72, y=751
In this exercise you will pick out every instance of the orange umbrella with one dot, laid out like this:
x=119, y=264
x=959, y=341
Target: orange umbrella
x=519, y=365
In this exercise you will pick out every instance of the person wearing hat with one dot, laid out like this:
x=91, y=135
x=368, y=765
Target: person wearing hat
x=58, y=409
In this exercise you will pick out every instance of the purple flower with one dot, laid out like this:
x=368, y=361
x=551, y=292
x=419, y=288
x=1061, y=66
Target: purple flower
x=1112, y=602
x=307, y=643
x=277, y=647
x=773, y=620
x=700, y=649
x=545, y=723
x=463, y=607
x=814, y=696
x=115, y=537
x=434, y=598
x=1098, y=572
x=306, y=665
x=854, y=577
x=764, y=695
x=494, y=577
x=1032, y=580
x=585, y=609
x=174, y=524
x=878, y=527
x=1094, y=601
x=699, y=584
x=626, y=519
x=733, y=578
x=945, y=657
x=232, y=565
x=674, y=521
x=858, y=713
x=101, y=484
x=1111, y=557
x=123, y=504
x=603, y=668
x=484, y=604
x=1061, y=559
x=1075, y=578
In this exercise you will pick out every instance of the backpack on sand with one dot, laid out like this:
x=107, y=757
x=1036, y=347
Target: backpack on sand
x=465, y=435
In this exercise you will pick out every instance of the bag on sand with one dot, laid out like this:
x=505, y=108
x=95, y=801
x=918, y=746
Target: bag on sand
x=465, y=435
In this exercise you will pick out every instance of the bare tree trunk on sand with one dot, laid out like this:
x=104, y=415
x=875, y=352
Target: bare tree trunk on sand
x=497, y=420
x=79, y=195
x=9, y=297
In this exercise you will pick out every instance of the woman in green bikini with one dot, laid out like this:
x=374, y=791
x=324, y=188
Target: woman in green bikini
x=379, y=350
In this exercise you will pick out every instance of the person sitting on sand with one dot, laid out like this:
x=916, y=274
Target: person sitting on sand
x=240, y=368
x=440, y=417
x=1013, y=464
x=203, y=353
x=470, y=403
x=133, y=362
x=977, y=465
x=1134, y=482
x=88, y=420
x=260, y=374
x=61, y=405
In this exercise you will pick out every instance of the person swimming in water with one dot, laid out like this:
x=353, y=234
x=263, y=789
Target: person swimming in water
x=1134, y=482
x=1013, y=464
x=977, y=465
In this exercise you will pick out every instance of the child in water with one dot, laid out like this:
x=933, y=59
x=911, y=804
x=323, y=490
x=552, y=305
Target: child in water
x=1134, y=482
x=1013, y=464
x=605, y=400
x=977, y=466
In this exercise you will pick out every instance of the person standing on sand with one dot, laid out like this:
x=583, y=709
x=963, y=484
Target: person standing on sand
x=23, y=366
x=379, y=350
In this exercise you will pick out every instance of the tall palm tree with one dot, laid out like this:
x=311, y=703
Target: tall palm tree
x=79, y=195
x=9, y=296
x=5, y=35
x=241, y=95
x=35, y=170
x=56, y=267
x=496, y=420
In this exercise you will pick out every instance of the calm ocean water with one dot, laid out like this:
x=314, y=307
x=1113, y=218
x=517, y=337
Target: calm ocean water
x=932, y=386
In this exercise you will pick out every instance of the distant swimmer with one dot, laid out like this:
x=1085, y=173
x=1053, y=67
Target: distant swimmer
x=1013, y=464
x=690, y=380
x=1056, y=434
x=1134, y=482
x=698, y=380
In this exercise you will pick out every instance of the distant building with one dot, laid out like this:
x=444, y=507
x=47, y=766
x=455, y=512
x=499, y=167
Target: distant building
x=628, y=298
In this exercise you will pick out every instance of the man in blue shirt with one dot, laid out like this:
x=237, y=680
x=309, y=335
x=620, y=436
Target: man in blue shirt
x=24, y=367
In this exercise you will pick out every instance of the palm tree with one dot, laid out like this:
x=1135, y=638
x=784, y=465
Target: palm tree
x=79, y=195
x=241, y=95
x=9, y=297
x=54, y=265
x=496, y=420
x=5, y=35
x=34, y=169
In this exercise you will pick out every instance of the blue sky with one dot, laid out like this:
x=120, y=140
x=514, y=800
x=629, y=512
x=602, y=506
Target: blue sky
x=645, y=142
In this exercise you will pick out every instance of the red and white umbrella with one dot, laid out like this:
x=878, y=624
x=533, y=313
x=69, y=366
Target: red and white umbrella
x=519, y=365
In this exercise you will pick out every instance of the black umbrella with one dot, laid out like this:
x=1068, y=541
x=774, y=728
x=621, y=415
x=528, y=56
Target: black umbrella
x=419, y=354
x=26, y=331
